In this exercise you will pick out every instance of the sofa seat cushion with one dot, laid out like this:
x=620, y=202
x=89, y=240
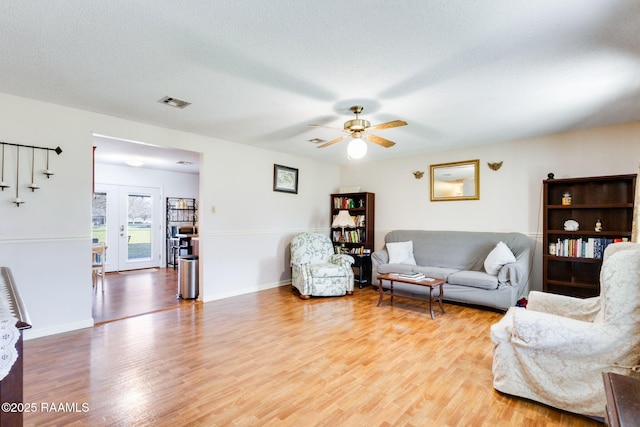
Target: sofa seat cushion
x=395, y=268
x=436, y=272
x=327, y=270
x=474, y=279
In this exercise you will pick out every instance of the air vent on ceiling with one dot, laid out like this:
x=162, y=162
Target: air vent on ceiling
x=174, y=102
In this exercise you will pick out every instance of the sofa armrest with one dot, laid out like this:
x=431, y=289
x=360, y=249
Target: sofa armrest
x=510, y=273
x=517, y=275
x=380, y=257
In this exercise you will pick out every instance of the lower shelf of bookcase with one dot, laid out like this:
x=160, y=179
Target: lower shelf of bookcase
x=556, y=258
x=577, y=289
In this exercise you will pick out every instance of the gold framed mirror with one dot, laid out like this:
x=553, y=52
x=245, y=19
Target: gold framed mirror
x=455, y=181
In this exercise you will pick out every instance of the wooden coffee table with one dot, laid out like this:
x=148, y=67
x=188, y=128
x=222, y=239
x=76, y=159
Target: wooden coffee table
x=426, y=281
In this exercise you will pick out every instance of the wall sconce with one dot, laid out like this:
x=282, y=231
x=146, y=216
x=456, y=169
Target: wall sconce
x=495, y=166
x=418, y=174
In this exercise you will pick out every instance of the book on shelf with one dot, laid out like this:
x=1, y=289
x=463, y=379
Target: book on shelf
x=360, y=250
x=357, y=251
x=591, y=247
x=347, y=203
x=349, y=236
x=413, y=275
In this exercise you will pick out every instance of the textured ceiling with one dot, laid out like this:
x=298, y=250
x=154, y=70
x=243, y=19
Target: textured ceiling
x=258, y=72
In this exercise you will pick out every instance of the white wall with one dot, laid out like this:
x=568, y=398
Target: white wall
x=252, y=225
x=173, y=184
x=47, y=241
x=510, y=198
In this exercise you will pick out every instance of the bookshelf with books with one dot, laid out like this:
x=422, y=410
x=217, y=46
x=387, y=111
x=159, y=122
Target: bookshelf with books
x=581, y=217
x=358, y=241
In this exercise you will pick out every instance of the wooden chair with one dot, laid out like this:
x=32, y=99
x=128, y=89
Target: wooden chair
x=98, y=253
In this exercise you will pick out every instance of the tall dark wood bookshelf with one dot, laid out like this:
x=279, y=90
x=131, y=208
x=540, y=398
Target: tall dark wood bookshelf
x=361, y=207
x=358, y=241
x=574, y=267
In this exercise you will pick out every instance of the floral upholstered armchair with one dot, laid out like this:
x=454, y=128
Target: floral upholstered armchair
x=316, y=270
x=556, y=349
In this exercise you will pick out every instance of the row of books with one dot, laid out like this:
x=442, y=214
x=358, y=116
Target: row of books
x=592, y=247
x=347, y=203
x=351, y=236
x=352, y=251
x=358, y=220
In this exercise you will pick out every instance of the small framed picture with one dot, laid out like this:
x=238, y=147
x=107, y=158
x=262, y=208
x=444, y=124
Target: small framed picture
x=285, y=179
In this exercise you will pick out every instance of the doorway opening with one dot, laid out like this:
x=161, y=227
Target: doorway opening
x=129, y=216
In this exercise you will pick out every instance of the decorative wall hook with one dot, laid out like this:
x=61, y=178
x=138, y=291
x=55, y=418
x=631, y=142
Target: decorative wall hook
x=17, y=200
x=48, y=172
x=495, y=166
x=418, y=174
x=33, y=186
x=3, y=184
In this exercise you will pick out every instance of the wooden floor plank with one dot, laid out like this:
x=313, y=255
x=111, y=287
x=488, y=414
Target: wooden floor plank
x=269, y=358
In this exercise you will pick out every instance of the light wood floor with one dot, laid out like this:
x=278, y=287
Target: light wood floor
x=135, y=292
x=271, y=359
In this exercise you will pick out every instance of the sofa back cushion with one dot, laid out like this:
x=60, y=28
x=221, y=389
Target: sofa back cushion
x=462, y=250
x=499, y=256
x=401, y=253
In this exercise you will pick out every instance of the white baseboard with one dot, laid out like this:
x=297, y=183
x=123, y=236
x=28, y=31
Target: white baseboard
x=243, y=291
x=58, y=329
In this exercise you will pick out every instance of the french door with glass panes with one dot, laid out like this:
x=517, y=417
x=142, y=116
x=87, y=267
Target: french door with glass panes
x=129, y=220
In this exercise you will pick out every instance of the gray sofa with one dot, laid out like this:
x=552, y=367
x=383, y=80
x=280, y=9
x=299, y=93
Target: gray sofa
x=458, y=257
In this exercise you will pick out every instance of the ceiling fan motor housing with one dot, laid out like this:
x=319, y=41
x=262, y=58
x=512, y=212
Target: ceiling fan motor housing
x=356, y=124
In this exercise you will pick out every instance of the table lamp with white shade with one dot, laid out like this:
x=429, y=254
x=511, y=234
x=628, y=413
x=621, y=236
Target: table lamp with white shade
x=342, y=220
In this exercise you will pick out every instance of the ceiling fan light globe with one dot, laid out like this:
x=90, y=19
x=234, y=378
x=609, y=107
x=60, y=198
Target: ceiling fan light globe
x=357, y=149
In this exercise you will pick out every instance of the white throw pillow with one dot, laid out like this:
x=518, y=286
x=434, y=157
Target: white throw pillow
x=401, y=253
x=499, y=256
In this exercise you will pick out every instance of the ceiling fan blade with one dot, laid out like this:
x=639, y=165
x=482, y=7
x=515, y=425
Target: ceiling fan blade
x=330, y=127
x=380, y=141
x=388, y=125
x=333, y=141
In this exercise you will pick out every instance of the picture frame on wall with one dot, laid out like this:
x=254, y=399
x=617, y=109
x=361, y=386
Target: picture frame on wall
x=285, y=179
